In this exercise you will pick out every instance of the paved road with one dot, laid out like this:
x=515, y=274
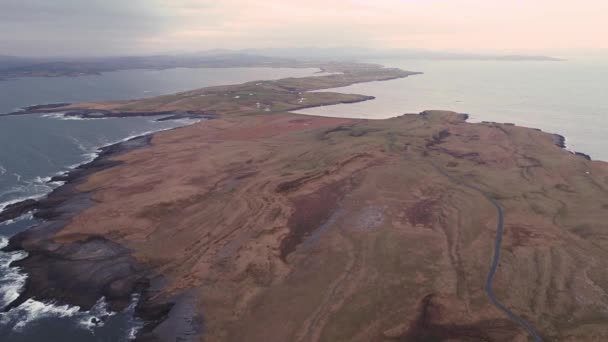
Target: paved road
x=495, y=260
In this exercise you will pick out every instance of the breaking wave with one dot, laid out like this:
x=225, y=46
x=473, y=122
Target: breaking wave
x=62, y=116
x=11, y=280
x=19, y=318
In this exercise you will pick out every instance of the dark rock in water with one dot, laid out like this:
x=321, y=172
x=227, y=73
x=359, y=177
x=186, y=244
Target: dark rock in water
x=153, y=313
x=559, y=140
x=78, y=273
x=186, y=115
x=581, y=154
x=46, y=106
x=15, y=210
x=180, y=320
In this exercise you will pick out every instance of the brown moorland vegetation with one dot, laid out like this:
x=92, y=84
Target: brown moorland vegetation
x=285, y=227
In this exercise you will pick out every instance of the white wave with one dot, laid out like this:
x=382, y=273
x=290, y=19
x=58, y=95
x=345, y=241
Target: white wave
x=89, y=157
x=135, y=323
x=62, y=173
x=27, y=216
x=78, y=118
x=80, y=145
x=53, y=116
x=3, y=241
x=14, y=190
x=2, y=170
x=41, y=180
x=62, y=116
x=11, y=279
x=75, y=118
x=32, y=310
x=95, y=317
x=18, y=176
x=5, y=204
x=36, y=188
x=11, y=284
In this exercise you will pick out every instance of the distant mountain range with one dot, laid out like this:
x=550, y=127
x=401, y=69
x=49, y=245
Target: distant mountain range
x=365, y=53
x=16, y=67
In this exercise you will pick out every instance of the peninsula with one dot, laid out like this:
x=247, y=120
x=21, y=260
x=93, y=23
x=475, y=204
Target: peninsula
x=262, y=225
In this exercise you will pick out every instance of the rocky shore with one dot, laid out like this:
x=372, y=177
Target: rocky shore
x=50, y=207
x=89, y=267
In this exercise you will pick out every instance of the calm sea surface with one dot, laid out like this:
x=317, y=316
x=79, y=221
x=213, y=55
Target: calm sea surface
x=569, y=97
x=33, y=148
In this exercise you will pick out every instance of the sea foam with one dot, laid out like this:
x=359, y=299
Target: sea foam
x=11, y=280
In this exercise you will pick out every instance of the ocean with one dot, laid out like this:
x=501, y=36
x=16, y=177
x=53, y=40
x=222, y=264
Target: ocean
x=567, y=97
x=33, y=148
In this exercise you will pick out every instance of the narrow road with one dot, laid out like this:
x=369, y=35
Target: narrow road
x=495, y=260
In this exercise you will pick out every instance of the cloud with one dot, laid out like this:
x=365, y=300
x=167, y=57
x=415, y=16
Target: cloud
x=77, y=26
x=147, y=26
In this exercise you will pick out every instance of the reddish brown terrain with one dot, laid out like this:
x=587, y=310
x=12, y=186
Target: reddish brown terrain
x=284, y=227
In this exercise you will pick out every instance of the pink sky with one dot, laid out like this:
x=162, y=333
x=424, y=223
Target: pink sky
x=432, y=24
x=144, y=26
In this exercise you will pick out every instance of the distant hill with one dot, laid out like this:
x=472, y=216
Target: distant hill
x=366, y=53
x=15, y=67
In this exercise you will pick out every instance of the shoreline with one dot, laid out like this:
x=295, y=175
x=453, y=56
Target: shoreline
x=13, y=209
x=55, y=210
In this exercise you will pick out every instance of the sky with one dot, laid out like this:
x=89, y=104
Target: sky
x=111, y=27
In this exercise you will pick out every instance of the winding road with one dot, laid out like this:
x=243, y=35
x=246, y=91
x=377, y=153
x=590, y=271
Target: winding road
x=495, y=260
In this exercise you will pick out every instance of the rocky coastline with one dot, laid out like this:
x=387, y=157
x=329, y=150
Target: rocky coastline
x=80, y=272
